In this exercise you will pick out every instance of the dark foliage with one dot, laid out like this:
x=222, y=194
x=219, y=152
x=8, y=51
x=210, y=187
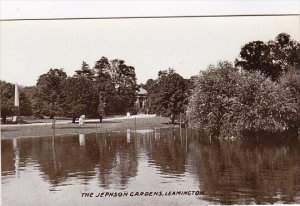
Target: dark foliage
x=79, y=97
x=272, y=58
x=7, y=96
x=226, y=101
x=49, y=92
x=168, y=94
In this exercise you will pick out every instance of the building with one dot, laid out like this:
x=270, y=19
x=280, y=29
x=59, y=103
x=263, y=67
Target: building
x=141, y=99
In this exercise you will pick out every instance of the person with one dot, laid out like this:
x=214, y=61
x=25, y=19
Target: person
x=81, y=120
x=101, y=117
x=101, y=113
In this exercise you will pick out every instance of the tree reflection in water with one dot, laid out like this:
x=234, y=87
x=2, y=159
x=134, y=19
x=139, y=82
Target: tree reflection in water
x=117, y=159
x=250, y=170
x=7, y=158
x=60, y=158
x=167, y=151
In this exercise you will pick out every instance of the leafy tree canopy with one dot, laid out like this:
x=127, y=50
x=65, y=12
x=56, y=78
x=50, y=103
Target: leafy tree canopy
x=85, y=71
x=79, y=97
x=116, y=83
x=272, y=58
x=49, y=92
x=167, y=94
x=227, y=101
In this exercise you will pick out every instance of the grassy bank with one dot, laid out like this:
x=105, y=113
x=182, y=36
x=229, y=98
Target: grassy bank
x=89, y=127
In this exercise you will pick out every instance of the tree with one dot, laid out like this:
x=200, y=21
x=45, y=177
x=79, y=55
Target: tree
x=85, y=71
x=124, y=81
x=149, y=84
x=49, y=92
x=7, y=101
x=25, y=104
x=101, y=109
x=168, y=94
x=260, y=105
x=36, y=105
x=272, y=58
x=210, y=97
x=291, y=82
x=152, y=89
x=79, y=97
x=116, y=85
x=103, y=82
x=228, y=102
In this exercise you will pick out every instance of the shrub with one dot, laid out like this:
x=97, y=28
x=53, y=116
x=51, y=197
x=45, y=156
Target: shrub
x=260, y=105
x=226, y=101
x=291, y=82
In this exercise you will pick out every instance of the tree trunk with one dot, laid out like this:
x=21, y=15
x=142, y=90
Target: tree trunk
x=172, y=118
x=73, y=119
x=4, y=119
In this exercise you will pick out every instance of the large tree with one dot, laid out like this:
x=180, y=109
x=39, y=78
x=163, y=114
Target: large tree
x=124, y=81
x=168, y=94
x=49, y=92
x=35, y=101
x=116, y=85
x=272, y=58
x=103, y=84
x=209, y=99
x=79, y=97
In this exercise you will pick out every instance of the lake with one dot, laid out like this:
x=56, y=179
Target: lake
x=150, y=167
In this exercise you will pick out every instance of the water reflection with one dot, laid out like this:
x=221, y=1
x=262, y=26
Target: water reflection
x=169, y=153
x=82, y=140
x=264, y=170
x=250, y=170
x=7, y=158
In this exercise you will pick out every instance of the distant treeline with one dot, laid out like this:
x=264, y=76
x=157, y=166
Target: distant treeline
x=259, y=92
x=109, y=87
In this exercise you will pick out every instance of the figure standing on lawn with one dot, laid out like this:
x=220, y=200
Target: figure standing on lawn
x=81, y=120
x=101, y=110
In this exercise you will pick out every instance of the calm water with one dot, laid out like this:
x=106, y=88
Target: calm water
x=57, y=170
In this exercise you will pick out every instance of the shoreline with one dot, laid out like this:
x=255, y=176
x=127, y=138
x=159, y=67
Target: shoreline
x=90, y=126
x=66, y=121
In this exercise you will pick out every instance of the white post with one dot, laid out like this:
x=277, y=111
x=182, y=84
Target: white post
x=17, y=103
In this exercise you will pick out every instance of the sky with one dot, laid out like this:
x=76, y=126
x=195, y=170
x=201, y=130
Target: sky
x=30, y=48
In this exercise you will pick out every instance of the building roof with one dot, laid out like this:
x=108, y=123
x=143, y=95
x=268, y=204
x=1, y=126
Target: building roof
x=142, y=91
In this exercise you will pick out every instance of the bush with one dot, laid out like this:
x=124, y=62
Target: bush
x=291, y=82
x=260, y=105
x=226, y=101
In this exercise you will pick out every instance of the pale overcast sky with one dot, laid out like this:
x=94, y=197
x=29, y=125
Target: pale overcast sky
x=31, y=48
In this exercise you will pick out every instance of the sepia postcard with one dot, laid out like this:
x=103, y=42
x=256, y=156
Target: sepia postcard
x=168, y=108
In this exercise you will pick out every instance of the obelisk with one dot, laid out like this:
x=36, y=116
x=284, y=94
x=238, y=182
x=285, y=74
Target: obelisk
x=17, y=102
